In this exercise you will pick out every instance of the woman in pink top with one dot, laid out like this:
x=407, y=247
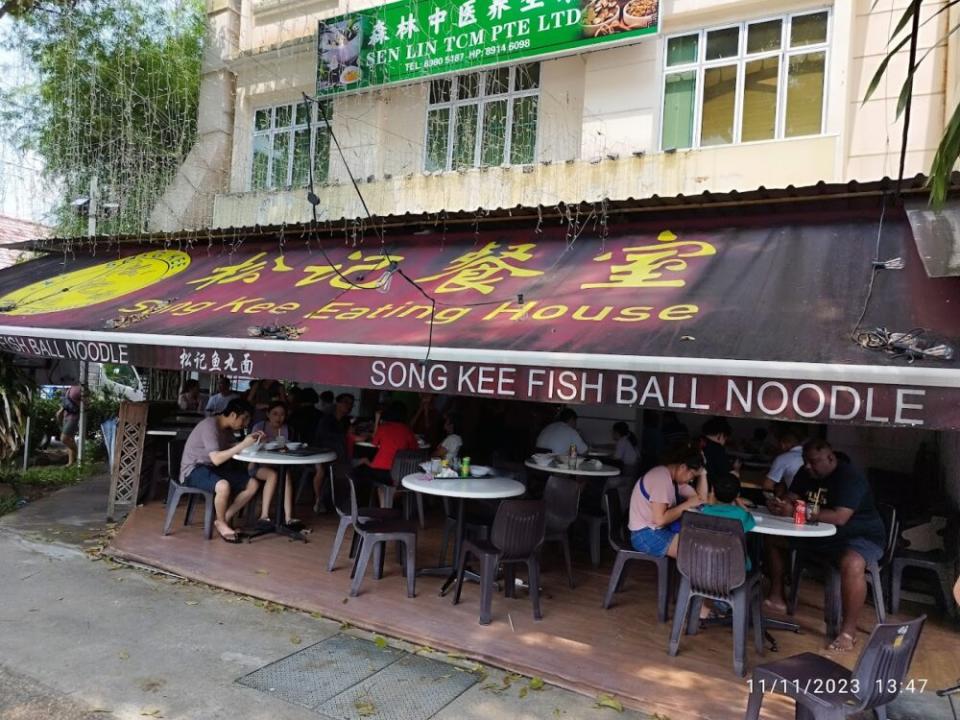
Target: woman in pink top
x=662, y=495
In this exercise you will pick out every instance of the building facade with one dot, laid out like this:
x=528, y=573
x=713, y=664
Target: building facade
x=727, y=95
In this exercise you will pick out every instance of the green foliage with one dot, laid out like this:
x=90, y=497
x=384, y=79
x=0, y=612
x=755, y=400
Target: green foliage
x=16, y=389
x=116, y=95
x=948, y=151
x=20, y=8
x=43, y=420
x=52, y=475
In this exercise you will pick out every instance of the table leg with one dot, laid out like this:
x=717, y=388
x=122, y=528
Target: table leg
x=457, y=546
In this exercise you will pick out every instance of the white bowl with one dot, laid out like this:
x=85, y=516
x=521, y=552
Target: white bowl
x=542, y=459
x=479, y=470
x=295, y=445
x=272, y=446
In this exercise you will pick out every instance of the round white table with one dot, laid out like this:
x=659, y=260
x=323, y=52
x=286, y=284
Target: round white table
x=585, y=470
x=770, y=524
x=486, y=488
x=281, y=460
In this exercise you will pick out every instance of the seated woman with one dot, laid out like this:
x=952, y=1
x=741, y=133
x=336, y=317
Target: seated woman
x=273, y=428
x=450, y=447
x=662, y=495
x=189, y=399
x=392, y=435
x=625, y=453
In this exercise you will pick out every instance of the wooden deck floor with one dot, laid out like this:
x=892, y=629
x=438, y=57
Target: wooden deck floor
x=577, y=645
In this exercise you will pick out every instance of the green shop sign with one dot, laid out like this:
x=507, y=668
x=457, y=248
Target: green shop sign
x=404, y=41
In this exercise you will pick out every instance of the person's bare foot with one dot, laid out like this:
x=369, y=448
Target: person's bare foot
x=844, y=642
x=225, y=531
x=775, y=606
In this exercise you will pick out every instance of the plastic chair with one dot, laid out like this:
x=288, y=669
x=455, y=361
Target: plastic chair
x=478, y=517
x=616, y=533
x=516, y=536
x=340, y=492
x=711, y=558
x=405, y=462
x=374, y=534
x=939, y=562
x=874, y=574
x=562, y=500
x=175, y=491
x=825, y=690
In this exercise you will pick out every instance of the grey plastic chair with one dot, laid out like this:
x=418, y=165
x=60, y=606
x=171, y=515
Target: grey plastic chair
x=374, y=534
x=940, y=563
x=616, y=532
x=825, y=690
x=516, y=536
x=175, y=491
x=405, y=462
x=711, y=558
x=875, y=571
x=340, y=492
x=562, y=500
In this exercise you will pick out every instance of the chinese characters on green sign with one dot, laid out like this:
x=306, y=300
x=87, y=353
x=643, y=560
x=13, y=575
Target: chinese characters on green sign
x=404, y=41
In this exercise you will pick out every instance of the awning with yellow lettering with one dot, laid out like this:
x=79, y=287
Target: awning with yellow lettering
x=749, y=316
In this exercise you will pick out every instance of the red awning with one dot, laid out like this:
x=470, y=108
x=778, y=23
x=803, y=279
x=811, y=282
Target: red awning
x=753, y=317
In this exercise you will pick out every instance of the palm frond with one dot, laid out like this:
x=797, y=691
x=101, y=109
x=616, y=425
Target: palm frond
x=943, y=161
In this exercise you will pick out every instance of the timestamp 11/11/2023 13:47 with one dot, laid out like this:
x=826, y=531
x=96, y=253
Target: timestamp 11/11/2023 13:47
x=832, y=686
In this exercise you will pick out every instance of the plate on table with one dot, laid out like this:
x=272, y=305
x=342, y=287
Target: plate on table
x=273, y=446
x=480, y=471
x=543, y=459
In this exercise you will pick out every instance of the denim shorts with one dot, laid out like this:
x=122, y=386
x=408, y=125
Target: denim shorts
x=652, y=541
x=834, y=547
x=205, y=477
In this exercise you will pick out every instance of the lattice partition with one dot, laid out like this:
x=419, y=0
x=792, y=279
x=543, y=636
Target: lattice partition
x=127, y=456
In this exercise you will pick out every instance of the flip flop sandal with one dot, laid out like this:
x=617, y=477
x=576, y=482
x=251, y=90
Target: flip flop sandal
x=294, y=525
x=835, y=647
x=264, y=524
x=235, y=540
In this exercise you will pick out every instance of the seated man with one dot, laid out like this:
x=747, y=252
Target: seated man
x=847, y=503
x=558, y=436
x=206, y=464
x=786, y=465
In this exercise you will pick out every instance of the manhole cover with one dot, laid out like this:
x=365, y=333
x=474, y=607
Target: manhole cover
x=348, y=678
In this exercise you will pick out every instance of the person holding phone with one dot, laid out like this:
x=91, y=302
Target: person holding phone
x=662, y=495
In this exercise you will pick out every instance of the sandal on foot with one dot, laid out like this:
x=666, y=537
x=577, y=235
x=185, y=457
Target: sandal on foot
x=294, y=525
x=839, y=646
x=264, y=524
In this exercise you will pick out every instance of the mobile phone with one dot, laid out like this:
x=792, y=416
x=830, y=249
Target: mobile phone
x=769, y=496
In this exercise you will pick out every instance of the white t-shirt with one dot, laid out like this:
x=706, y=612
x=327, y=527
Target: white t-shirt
x=558, y=437
x=786, y=465
x=625, y=452
x=218, y=403
x=452, y=443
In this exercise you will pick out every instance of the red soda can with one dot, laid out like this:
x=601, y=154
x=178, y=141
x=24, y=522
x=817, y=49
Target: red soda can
x=799, y=512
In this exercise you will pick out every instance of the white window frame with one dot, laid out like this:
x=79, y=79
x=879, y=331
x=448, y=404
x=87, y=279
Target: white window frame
x=315, y=124
x=481, y=100
x=784, y=53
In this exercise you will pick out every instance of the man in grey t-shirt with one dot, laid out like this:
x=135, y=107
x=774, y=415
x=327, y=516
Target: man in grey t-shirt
x=206, y=464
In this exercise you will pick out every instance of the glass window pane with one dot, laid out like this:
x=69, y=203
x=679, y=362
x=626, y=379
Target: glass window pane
x=468, y=86
x=679, y=97
x=764, y=36
x=283, y=116
x=465, y=137
x=301, y=158
x=805, y=75
x=523, y=132
x=261, y=120
x=281, y=160
x=497, y=81
x=527, y=77
x=723, y=43
x=494, y=137
x=682, y=50
x=438, y=131
x=303, y=114
x=759, y=118
x=439, y=91
x=324, y=110
x=261, y=162
x=719, y=94
x=321, y=156
x=808, y=29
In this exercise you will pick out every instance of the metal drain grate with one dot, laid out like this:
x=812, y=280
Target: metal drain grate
x=348, y=678
x=414, y=688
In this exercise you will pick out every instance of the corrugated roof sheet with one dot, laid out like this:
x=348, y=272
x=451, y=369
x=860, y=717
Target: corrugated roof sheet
x=14, y=231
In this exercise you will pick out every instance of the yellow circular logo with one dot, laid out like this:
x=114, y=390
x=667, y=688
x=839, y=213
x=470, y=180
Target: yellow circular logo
x=95, y=284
